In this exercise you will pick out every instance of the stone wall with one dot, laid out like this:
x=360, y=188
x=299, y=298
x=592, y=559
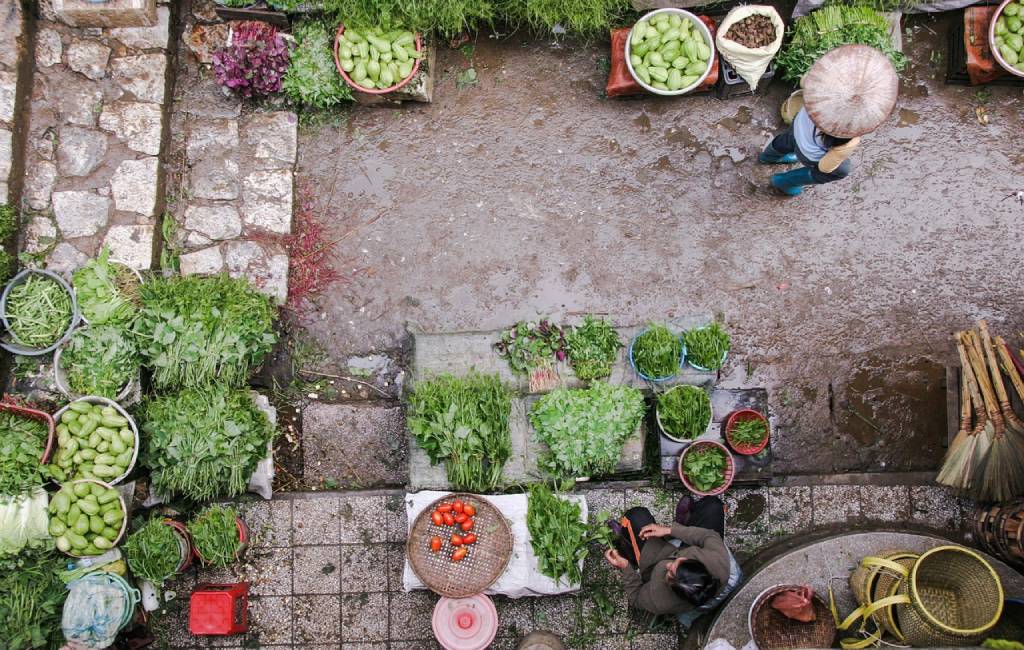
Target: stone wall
x=13, y=43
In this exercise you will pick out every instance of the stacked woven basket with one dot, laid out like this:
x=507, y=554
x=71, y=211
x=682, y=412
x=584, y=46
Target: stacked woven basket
x=947, y=596
x=999, y=530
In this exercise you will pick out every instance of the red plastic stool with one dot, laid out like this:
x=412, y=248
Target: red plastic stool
x=219, y=609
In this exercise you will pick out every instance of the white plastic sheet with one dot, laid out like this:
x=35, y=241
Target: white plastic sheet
x=749, y=63
x=521, y=577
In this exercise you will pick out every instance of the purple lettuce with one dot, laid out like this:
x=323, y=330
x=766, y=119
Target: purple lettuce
x=256, y=61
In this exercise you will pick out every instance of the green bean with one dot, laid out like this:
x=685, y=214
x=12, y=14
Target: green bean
x=39, y=311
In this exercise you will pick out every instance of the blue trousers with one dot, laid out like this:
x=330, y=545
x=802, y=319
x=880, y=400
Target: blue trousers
x=786, y=143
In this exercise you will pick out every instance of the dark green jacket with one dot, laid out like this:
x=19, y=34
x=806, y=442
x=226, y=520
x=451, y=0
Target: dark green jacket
x=647, y=588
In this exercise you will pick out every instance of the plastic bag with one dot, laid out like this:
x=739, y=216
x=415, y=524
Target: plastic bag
x=796, y=603
x=97, y=607
x=749, y=63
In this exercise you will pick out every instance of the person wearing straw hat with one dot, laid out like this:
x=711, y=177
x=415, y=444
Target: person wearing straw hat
x=847, y=93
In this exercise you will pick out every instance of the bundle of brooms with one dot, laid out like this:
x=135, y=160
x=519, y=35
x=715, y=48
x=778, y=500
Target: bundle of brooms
x=986, y=460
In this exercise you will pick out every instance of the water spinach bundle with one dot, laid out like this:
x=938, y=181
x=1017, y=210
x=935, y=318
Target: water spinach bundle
x=684, y=411
x=657, y=352
x=463, y=422
x=214, y=532
x=31, y=600
x=593, y=348
x=153, y=552
x=100, y=360
x=584, y=429
x=706, y=347
x=107, y=292
x=557, y=535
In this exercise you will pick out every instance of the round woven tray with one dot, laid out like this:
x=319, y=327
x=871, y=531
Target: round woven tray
x=486, y=560
x=773, y=631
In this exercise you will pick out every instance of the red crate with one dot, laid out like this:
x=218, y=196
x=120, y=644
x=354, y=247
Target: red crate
x=219, y=609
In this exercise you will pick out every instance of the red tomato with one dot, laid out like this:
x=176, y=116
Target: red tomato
x=456, y=540
x=435, y=543
x=458, y=507
x=469, y=539
x=449, y=520
x=436, y=518
x=467, y=525
x=469, y=509
x=459, y=554
x=461, y=518
x=444, y=507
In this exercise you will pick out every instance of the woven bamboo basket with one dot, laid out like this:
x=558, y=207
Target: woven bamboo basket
x=878, y=577
x=771, y=630
x=888, y=585
x=954, y=597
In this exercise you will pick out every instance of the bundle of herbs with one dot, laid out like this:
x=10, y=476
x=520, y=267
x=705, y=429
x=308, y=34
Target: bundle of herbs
x=31, y=600
x=584, y=429
x=194, y=331
x=203, y=444
x=558, y=536
x=39, y=311
x=592, y=347
x=107, y=292
x=22, y=444
x=705, y=467
x=8, y=226
x=829, y=27
x=532, y=349
x=706, y=347
x=153, y=552
x=684, y=412
x=657, y=352
x=447, y=18
x=215, y=535
x=584, y=18
x=463, y=422
x=312, y=79
x=100, y=360
x=749, y=433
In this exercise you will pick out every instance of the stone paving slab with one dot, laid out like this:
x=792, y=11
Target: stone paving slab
x=356, y=446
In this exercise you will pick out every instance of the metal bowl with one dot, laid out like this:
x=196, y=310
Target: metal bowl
x=710, y=42
x=992, y=42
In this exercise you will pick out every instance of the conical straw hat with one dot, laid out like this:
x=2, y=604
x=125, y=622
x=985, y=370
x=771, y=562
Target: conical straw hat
x=850, y=90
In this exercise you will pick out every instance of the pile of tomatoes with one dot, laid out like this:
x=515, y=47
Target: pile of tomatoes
x=460, y=516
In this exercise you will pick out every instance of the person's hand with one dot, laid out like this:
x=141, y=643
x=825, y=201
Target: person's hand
x=615, y=559
x=654, y=530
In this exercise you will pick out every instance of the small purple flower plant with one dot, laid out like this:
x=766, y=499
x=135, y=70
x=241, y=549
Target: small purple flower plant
x=256, y=61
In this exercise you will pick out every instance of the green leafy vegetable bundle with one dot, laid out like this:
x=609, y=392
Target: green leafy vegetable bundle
x=684, y=411
x=463, y=421
x=22, y=443
x=312, y=78
x=100, y=360
x=31, y=600
x=529, y=345
x=657, y=352
x=204, y=444
x=153, y=552
x=447, y=18
x=8, y=226
x=107, y=292
x=827, y=28
x=585, y=429
x=705, y=468
x=214, y=532
x=593, y=347
x=197, y=330
x=706, y=346
x=749, y=432
x=39, y=311
x=557, y=534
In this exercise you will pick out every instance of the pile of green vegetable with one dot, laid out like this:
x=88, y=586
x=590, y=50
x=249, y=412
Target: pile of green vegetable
x=531, y=345
x=684, y=411
x=1010, y=34
x=827, y=28
x=153, y=552
x=312, y=79
x=94, y=441
x=107, y=292
x=706, y=347
x=195, y=330
x=22, y=444
x=203, y=444
x=100, y=360
x=375, y=58
x=592, y=347
x=463, y=421
x=214, y=533
x=8, y=226
x=748, y=433
x=38, y=311
x=705, y=467
x=558, y=536
x=657, y=352
x=584, y=429
x=31, y=600
x=668, y=52
x=86, y=518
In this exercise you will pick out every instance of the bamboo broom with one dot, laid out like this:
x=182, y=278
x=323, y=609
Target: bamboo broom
x=977, y=445
x=1013, y=423
x=1005, y=472
x=959, y=450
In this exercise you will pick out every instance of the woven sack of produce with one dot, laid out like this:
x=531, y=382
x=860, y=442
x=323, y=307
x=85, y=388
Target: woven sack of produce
x=751, y=24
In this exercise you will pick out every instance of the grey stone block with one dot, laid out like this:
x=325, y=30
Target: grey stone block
x=144, y=76
x=112, y=13
x=132, y=245
x=7, y=157
x=88, y=58
x=138, y=124
x=80, y=213
x=145, y=38
x=134, y=185
x=80, y=151
x=8, y=95
x=201, y=262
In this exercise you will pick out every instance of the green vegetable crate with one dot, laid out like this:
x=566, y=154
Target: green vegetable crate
x=108, y=450
x=50, y=312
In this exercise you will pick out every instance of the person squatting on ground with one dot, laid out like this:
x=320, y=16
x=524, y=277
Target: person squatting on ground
x=684, y=569
x=847, y=93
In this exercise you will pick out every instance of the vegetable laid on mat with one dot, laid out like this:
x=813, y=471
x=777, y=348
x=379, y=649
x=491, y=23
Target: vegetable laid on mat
x=204, y=444
x=216, y=537
x=463, y=422
x=657, y=352
x=592, y=347
x=558, y=535
x=684, y=411
x=86, y=518
x=31, y=600
x=39, y=311
x=100, y=360
x=532, y=348
x=706, y=347
x=153, y=552
x=705, y=468
x=22, y=444
x=108, y=292
x=585, y=429
x=94, y=441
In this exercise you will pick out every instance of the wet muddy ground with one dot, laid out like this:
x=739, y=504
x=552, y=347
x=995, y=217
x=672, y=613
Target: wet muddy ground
x=531, y=193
